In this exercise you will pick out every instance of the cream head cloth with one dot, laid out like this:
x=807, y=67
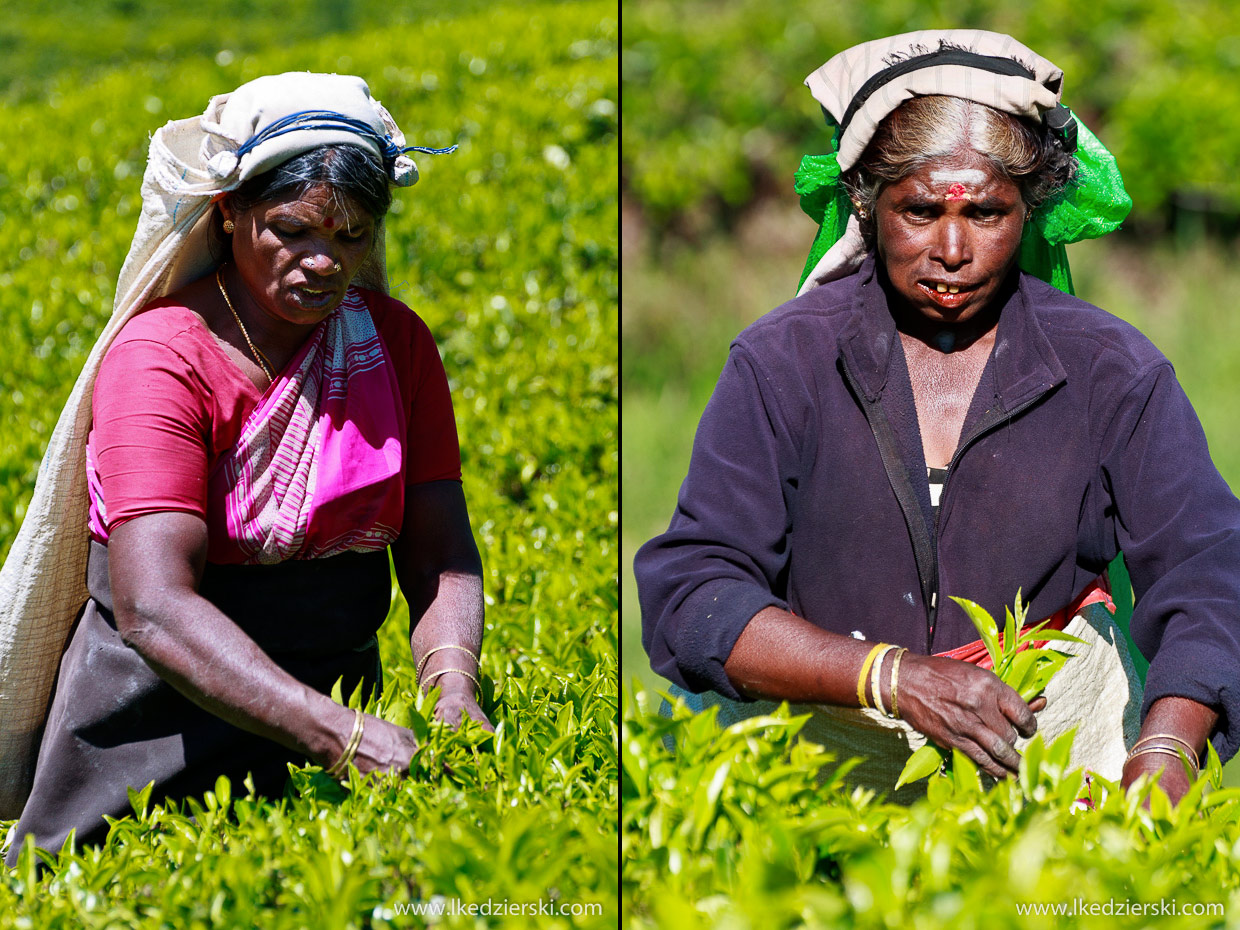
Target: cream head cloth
x=861, y=85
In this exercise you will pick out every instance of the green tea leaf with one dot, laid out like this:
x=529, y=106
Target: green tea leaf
x=1047, y=663
x=924, y=762
x=1019, y=670
x=1010, y=643
x=987, y=631
x=1031, y=764
x=964, y=774
x=223, y=791
x=355, y=699
x=140, y=800
x=1213, y=765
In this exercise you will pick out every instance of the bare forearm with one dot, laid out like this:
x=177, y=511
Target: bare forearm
x=1183, y=718
x=781, y=657
x=440, y=573
x=453, y=616
x=202, y=653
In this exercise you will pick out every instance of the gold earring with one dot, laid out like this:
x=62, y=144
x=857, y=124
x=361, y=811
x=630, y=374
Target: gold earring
x=229, y=226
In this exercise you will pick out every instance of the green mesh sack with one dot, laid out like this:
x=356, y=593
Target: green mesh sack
x=1092, y=206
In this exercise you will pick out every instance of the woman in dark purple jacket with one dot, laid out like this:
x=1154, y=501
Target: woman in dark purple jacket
x=927, y=420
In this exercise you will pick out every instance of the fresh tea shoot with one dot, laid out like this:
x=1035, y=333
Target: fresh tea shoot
x=1026, y=669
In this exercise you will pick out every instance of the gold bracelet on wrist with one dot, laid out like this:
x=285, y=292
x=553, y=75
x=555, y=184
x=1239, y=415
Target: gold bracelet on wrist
x=1168, y=746
x=417, y=676
x=1167, y=751
x=895, y=677
x=443, y=671
x=1192, y=752
x=865, y=671
x=350, y=749
x=876, y=678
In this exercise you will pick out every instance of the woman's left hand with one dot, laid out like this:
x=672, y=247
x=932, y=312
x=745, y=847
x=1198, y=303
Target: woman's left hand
x=458, y=696
x=440, y=574
x=1180, y=719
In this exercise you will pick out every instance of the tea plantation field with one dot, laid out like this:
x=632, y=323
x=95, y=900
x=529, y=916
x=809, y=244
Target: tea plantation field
x=508, y=250
x=737, y=833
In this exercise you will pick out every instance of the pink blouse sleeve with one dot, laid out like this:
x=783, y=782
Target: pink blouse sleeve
x=434, y=452
x=150, y=433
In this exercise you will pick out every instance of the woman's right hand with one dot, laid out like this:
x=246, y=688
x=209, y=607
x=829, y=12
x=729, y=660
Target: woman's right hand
x=956, y=704
x=385, y=747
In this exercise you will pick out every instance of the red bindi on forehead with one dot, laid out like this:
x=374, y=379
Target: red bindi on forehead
x=329, y=222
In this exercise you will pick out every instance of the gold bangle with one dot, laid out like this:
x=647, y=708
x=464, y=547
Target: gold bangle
x=895, y=677
x=1183, y=742
x=417, y=676
x=1169, y=748
x=350, y=749
x=444, y=671
x=876, y=678
x=865, y=670
x=1164, y=750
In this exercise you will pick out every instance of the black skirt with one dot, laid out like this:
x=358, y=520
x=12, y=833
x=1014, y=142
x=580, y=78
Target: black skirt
x=114, y=724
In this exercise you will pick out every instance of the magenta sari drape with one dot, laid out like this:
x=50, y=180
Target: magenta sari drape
x=316, y=469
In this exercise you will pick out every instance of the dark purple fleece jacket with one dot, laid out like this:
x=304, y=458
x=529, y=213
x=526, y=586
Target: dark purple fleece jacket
x=1079, y=443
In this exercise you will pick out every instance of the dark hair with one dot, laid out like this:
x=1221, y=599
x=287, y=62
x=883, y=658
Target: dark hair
x=923, y=129
x=347, y=169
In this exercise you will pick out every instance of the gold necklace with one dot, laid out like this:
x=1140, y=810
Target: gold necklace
x=263, y=362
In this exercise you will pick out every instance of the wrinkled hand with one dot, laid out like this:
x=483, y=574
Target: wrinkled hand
x=457, y=696
x=1173, y=780
x=385, y=747
x=956, y=704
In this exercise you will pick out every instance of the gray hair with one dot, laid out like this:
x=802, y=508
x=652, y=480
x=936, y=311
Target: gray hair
x=924, y=129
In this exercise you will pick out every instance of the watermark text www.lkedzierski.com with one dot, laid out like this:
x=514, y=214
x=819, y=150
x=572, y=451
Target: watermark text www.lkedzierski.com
x=440, y=906
x=1081, y=907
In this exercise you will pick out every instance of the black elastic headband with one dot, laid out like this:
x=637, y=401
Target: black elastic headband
x=1058, y=120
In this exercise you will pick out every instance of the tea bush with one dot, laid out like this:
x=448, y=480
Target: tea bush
x=508, y=250
x=734, y=830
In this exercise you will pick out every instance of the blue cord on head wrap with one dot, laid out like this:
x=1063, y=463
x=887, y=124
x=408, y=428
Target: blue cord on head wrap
x=329, y=119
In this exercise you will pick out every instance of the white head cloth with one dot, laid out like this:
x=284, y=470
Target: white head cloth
x=191, y=162
x=838, y=83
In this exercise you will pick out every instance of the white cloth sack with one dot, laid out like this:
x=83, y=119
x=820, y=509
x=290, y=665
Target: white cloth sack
x=1097, y=691
x=839, y=261
x=43, y=580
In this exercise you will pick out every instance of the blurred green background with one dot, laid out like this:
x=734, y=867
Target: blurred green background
x=715, y=120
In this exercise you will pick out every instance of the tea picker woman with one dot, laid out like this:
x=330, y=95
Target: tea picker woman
x=257, y=426
x=930, y=418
